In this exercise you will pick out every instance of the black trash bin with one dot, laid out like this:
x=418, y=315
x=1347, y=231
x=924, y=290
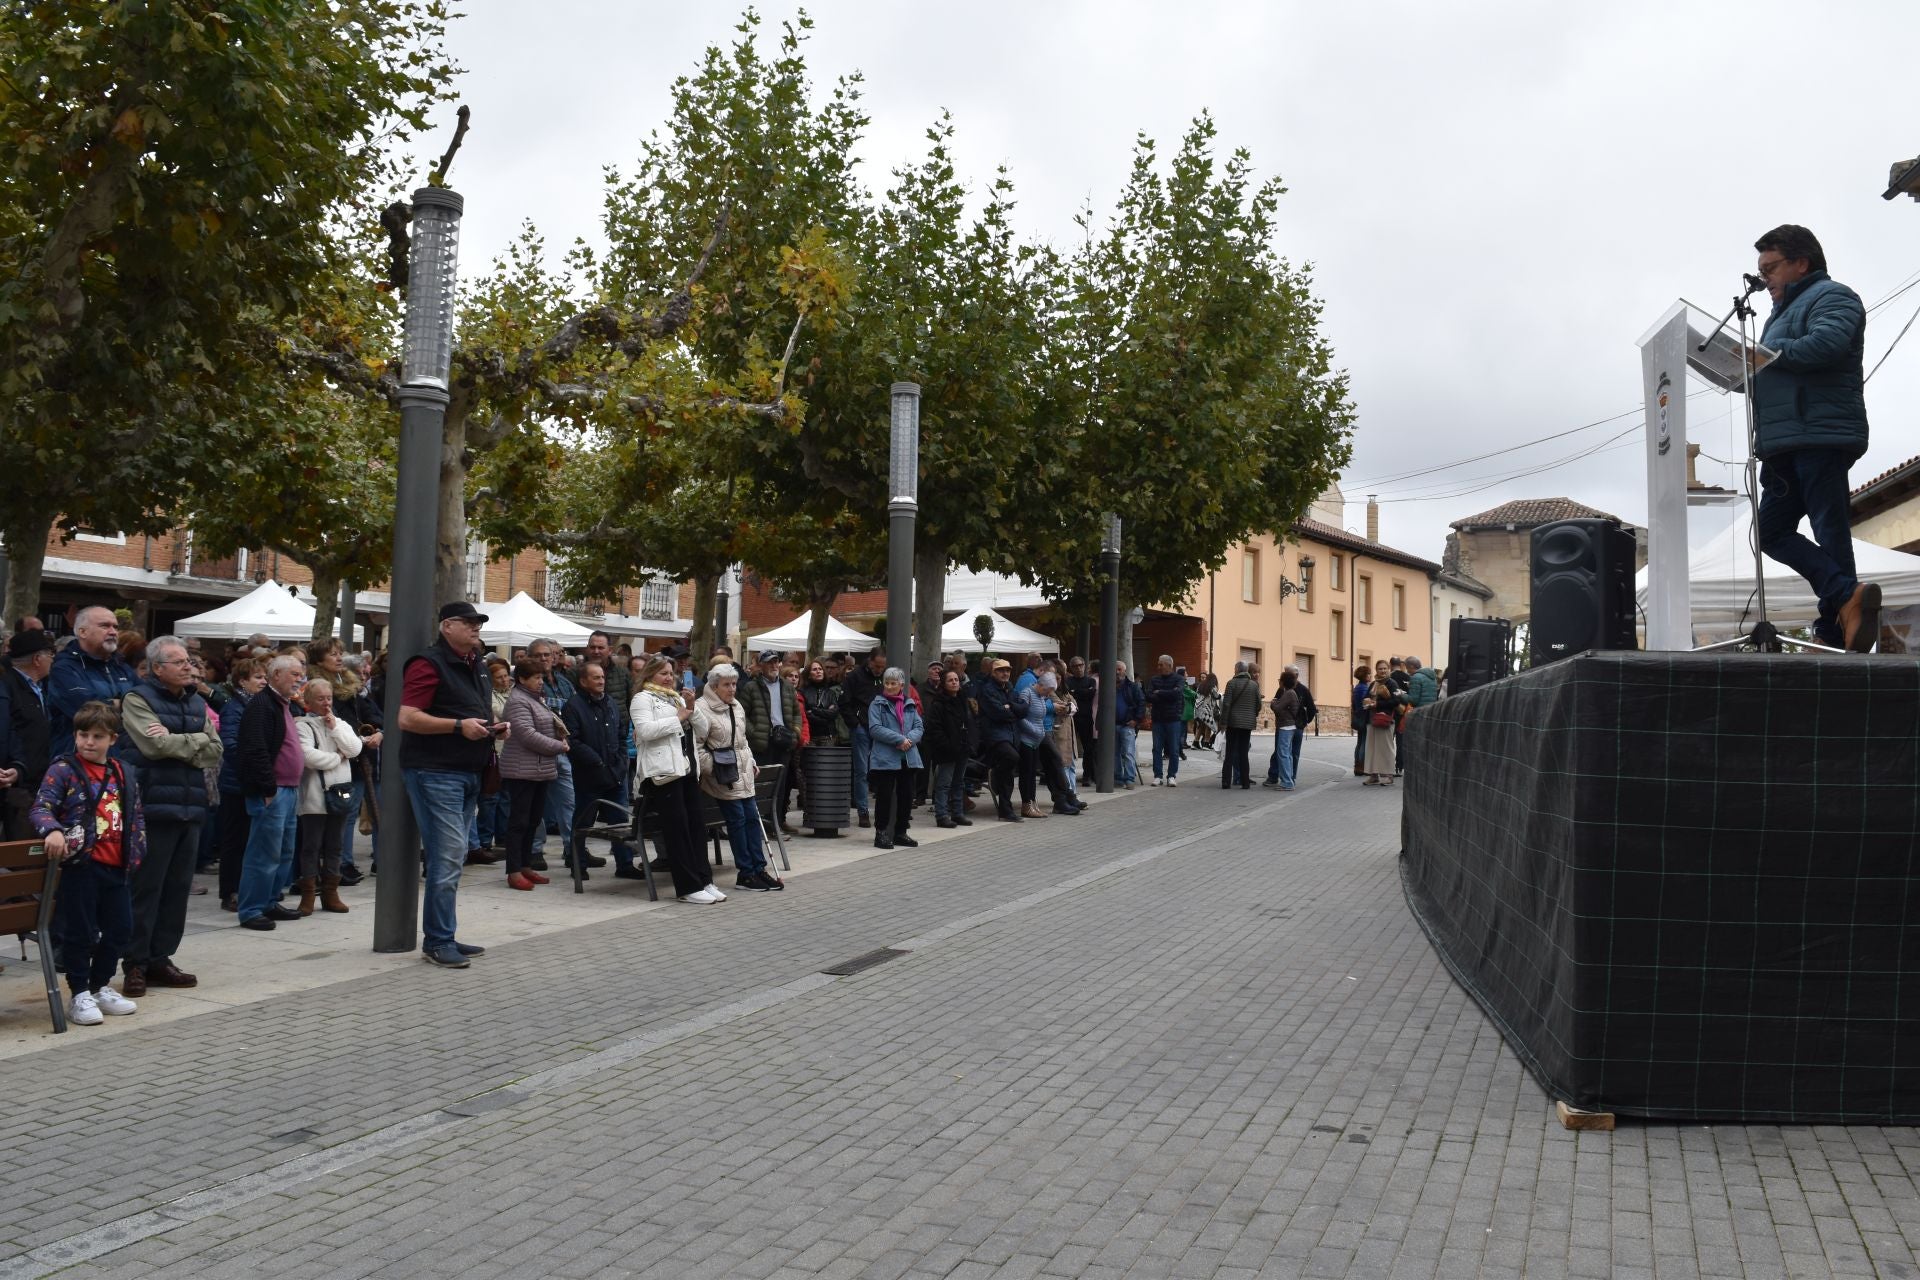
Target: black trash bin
x=828, y=771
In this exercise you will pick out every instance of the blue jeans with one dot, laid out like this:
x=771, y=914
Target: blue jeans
x=350, y=827
x=862, y=754
x=1811, y=483
x=492, y=818
x=1299, y=737
x=949, y=789
x=444, y=802
x=1126, y=753
x=273, y=839
x=749, y=845
x=1284, y=764
x=559, y=805
x=1166, y=747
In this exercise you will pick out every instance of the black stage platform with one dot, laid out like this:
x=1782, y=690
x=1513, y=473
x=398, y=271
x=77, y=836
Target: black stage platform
x=1683, y=885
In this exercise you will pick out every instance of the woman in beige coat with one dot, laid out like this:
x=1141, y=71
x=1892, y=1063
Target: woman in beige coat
x=727, y=774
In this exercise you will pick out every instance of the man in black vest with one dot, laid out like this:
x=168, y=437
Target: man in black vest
x=26, y=752
x=447, y=731
x=165, y=720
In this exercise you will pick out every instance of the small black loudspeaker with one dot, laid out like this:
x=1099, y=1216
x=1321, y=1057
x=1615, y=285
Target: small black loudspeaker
x=1582, y=588
x=1479, y=651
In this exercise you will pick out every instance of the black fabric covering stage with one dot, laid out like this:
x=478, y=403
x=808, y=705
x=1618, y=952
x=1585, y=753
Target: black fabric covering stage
x=1683, y=885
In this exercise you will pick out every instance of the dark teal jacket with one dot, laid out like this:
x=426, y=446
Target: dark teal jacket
x=1812, y=396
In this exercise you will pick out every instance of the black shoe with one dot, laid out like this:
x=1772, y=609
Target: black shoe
x=943, y=821
x=629, y=872
x=350, y=876
x=537, y=863
x=751, y=880
x=1008, y=813
x=881, y=842
x=583, y=874
x=771, y=880
x=908, y=841
x=258, y=922
x=468, y=949
x=962, y=821
x=865, y=821
x=595, y=861
x=278, y=912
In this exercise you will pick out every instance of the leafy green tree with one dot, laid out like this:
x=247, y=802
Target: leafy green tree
x=173, y=177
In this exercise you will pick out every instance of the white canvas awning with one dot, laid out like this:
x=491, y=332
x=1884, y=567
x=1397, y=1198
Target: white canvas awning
x=269, y=609
x=1008, y=637
x=1721, y=581
x=793, y=636
x=522, y=620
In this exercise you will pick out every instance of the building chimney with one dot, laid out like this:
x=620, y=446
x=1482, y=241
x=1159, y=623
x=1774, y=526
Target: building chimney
x=1373, y=519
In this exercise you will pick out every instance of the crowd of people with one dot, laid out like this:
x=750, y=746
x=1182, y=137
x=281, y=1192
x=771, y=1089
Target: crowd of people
x=141, y=762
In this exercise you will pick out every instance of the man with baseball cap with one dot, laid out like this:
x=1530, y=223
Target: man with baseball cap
x=773, y=725
x=25, y=730
x=447, y=733
x=999, y=730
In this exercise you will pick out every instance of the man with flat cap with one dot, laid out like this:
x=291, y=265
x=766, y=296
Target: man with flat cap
x=25, y=730
x=447, y=731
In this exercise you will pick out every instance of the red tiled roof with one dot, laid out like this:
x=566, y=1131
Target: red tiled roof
x=1527, y=512
x=1888, y=474
x=1326, y=533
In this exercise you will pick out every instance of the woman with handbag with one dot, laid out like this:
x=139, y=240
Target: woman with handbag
x=727, y=773
x=528, y=762
x=328, y=746
x=662, y=717
x=1380, y=706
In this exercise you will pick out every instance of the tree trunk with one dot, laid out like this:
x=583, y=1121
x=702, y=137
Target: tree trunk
x=706, y=589
x=450, y=546
x=929, y=608
x=821, y=602
x=26, y=532
x=1126, y=641
x=326, y=601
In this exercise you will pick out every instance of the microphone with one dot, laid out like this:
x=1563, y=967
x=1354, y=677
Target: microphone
x=1754, y=283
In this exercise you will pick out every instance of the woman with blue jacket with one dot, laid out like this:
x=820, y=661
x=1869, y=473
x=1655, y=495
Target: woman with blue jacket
x=894, y=727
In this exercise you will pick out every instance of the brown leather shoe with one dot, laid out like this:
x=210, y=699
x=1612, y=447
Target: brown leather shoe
x=168, y=974
x=134, y=985
x=1028, y=809
x=1860, y=618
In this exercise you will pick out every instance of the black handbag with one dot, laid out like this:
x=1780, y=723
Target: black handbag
x=726, y=761
x=340, y=798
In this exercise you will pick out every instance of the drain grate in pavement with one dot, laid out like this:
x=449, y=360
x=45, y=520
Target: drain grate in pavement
x=867, y=961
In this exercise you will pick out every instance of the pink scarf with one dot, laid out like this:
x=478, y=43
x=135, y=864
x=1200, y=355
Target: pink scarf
x=899, y=701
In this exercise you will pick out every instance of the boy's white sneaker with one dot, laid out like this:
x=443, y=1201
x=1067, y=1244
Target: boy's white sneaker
x=718, y=896
x=112, y=1003
x=85, y=1010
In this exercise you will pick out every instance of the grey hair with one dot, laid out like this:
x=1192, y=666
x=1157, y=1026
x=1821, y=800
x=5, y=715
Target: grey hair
x=313, y=686
x=893, y=673
x=1293, y=667
x=80, y=619
x=1413, y=663
x=286, y=662
x=722, y=671
x=1239, y=668
x=163, y=645
x=1165, y=657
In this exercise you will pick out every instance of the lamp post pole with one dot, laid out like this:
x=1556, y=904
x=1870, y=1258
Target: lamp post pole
x=903, y=507
x=1105, y=729
x=427, y=356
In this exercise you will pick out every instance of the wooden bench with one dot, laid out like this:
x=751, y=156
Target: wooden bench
x=28, y=881
x=635, y=825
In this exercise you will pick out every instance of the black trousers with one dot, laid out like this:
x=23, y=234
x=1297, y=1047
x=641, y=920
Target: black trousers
x=1037, y=759
x=1234, y=766
x=1001, y=758
x=235, y=826
x=526, y=809
x=320, y=845
x=892, y=792
x=92, y=915
x=160, y=887
x=589, y=812
x=683, y=831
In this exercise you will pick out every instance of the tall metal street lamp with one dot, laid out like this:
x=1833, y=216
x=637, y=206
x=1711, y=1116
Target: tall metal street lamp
x=1106, y=722
x=426, y=360
x=903, y=507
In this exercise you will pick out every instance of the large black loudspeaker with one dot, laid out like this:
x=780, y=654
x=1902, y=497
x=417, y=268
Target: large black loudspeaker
x=1582, y=588
x=1479, y=651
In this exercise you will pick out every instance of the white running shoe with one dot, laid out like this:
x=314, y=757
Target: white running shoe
x=718, y=896
x=700, y=897
x=1173, y=782
x=85, y=1010
x=1158, y=782
x=112, y=1002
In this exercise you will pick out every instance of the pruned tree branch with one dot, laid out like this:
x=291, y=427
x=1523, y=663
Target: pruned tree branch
x=89, y=217
x=349, y=371
x=439, y=174
x=820, y=471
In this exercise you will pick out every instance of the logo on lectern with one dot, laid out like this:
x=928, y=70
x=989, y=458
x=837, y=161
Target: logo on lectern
x=1664, y=438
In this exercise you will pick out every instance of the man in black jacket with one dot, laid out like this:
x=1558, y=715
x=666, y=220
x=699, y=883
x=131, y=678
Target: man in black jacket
x=858, y=691
x=597, y=744
x=268, y=769
x=25, y=730
x=1085, y=692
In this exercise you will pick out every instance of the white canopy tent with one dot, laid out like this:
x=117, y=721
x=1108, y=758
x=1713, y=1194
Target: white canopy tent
x=269, y=609
x=1720, y=575
x=522, y=620
x=793, y=637
x=1008, y=637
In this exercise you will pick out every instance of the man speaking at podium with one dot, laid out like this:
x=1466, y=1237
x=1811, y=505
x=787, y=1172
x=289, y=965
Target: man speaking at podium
x=1810, y=421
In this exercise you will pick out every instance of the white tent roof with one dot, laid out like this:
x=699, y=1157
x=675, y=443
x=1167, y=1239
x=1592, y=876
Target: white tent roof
x=269, y=609
x=793, y=636
x=1008, y=637
x=1721, y=573
x=522, y=620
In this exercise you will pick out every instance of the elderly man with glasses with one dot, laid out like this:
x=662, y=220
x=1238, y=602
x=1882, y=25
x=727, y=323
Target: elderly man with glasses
x=170, y=742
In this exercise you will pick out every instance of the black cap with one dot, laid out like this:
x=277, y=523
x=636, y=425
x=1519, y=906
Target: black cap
x=769, y=655
x=464, y=610
x=25, y=644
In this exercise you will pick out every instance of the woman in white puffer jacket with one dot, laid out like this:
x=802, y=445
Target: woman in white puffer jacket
x=666, y=781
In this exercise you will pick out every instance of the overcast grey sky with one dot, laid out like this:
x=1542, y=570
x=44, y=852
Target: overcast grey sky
x=1497, y=198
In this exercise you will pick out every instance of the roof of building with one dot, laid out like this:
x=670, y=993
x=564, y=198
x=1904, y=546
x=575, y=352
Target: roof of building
x=1886, y=489
x=1304, y=528
x=1528, y=512
x=1466, y=582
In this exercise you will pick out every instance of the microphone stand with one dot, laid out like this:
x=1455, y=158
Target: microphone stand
x=1763, y=637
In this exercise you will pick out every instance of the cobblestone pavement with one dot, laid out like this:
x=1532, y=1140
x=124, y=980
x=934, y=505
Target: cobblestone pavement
x=1188, y=1034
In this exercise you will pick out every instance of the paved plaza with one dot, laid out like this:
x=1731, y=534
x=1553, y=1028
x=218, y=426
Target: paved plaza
x=1188, y=1034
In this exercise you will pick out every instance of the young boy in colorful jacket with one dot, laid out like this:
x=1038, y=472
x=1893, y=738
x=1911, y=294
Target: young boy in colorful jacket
x=88, y=815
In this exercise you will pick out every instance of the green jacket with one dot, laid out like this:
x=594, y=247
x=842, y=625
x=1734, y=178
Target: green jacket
x=752, y=697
